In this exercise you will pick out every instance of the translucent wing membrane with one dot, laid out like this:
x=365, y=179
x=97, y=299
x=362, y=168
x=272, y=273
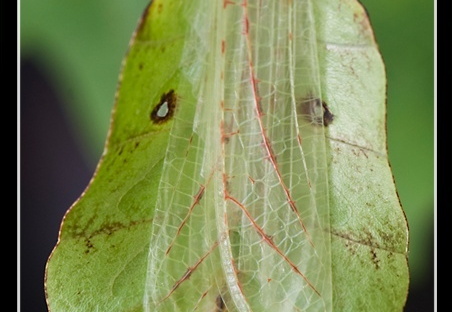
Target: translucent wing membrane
x=242, y=219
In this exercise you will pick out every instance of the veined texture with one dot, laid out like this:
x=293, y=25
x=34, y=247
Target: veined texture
x=242, y=218
x=245, y=169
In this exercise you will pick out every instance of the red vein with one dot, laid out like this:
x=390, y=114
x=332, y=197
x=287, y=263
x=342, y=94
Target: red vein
x=188, y=146
x=226, y=3
x=196, y=199
x=300, y=140
x=190, y=271
x=204, y=294
x=195, y=202
x=267, y=238
x=259, y=113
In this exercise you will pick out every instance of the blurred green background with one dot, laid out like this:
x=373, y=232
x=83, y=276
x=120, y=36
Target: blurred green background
x=75, y=48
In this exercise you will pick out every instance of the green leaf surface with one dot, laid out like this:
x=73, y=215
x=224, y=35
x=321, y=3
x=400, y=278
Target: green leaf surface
x=245, y=169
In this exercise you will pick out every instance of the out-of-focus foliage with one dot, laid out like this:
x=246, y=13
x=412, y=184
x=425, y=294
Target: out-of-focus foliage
x=80, y=45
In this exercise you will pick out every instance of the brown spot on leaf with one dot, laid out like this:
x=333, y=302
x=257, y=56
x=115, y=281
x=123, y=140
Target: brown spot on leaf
x=374, y=258
x=328, y=117
x=164, y=110
x=89, y=246
x=220, y=306
x=316, y=111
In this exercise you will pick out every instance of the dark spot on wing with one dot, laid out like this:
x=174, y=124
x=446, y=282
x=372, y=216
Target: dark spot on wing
x=328, y=117
x=164, y=110
x=316, y=111
x=220, y=306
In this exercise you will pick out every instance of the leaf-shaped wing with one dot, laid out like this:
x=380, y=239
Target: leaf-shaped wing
x=245, y=169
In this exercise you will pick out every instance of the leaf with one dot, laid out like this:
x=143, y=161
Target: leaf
x=245, y=169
